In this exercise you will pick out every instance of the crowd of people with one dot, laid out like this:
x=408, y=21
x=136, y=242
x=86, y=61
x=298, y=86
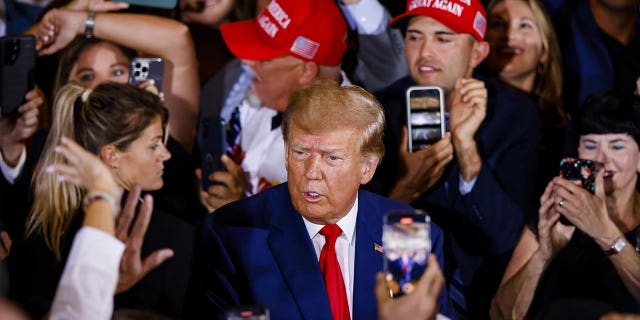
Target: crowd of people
x=110, y=206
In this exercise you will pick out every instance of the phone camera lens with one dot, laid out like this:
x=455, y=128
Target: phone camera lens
x=138, y=65
x=145, y=69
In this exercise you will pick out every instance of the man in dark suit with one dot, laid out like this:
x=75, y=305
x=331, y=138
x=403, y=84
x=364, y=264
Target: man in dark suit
x=477, y=181
x=265, y=249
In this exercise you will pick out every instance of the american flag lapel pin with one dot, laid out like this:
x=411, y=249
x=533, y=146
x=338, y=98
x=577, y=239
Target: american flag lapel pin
x=378, y=247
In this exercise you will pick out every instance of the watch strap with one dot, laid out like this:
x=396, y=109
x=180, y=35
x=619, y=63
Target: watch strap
x=617, y=246
x=89, y=24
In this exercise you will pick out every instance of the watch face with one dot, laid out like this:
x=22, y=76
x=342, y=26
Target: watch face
x=619, y=244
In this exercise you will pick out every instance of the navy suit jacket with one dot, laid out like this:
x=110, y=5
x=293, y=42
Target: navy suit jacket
x=484, y=225
x=258, y=251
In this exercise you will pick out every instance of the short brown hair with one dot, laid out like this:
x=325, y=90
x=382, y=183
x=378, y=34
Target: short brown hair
x=326, y=106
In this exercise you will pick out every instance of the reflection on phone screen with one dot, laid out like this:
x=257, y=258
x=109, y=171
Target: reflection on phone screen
x=407, y=246
x=425, y=116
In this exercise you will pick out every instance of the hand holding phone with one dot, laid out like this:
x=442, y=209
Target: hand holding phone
x=425, y=116
x=407, y=244
x=213, y=133
x=145, y=69
x=581, y=171
x=18, y=59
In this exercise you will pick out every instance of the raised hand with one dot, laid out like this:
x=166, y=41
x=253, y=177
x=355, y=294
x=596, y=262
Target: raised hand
x=15, y=132
x=58, y=28
x=420, y=170
x=230, y=187
x=588, y=212
x=553, y=236
x=420, y=304
x=132, y=266
x=468, y=109
x=84, y=169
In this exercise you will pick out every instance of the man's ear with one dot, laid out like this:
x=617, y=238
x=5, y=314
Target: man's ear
x=368, y=168
x=479, y=52
x=110, y=156
x=310, y=71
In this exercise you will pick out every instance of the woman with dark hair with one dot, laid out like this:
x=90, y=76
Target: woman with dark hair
x=125, y=126
x=592, y=266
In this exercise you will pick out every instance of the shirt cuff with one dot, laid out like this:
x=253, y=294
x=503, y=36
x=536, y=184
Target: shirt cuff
x=369, y=15
x=466, y=187
x=11, y=174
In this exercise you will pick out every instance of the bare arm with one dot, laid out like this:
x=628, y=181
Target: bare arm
x=515, y=294
x=155, y=36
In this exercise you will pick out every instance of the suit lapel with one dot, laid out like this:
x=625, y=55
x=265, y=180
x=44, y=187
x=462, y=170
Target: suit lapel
x=293, y=251
x=368, y=261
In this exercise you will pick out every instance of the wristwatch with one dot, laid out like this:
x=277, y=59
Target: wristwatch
x=89, y=24
x=617, y=246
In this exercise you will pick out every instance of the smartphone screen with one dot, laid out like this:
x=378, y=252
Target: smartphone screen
x=252, y=312
x=406, y=243
x=18, y=59
x=425, y=117
x=144, y=69
x=214, y=144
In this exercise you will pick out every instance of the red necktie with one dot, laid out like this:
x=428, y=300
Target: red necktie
x=332, y=274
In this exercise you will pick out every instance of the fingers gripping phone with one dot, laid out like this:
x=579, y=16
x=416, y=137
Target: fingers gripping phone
x=407, y=245
x=144, y=69
x=214, y=137
x=18, y=57
x=425, y=116
x=251, y=312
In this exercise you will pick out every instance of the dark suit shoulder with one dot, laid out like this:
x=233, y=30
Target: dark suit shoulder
x=254, y=211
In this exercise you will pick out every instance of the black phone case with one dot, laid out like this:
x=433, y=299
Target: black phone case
x=214, y=137
x=18, y=56
x=143, y=69
x=579, y=170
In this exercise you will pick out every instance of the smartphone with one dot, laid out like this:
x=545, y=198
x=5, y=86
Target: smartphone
x=425, y=116
x=143, y=69
x=213, y=133
x=251, y=312
x=407, y=245
x=580, y=170
x=18, y=56
x=164, y=4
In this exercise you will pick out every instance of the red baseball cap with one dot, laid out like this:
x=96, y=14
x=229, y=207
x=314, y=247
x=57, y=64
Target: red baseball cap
x=461, y=16
x=313, y=30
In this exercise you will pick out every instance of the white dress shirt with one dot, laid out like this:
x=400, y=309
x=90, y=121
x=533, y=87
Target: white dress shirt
x=90, y=277
x=345, y=247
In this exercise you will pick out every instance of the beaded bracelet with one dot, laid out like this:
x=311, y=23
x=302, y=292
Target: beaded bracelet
x=95, y=195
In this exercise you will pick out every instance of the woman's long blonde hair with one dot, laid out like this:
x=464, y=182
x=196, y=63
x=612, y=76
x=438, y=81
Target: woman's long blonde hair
x=112, y=113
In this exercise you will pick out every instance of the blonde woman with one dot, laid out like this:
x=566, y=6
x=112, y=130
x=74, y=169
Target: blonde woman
x=124, y=126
